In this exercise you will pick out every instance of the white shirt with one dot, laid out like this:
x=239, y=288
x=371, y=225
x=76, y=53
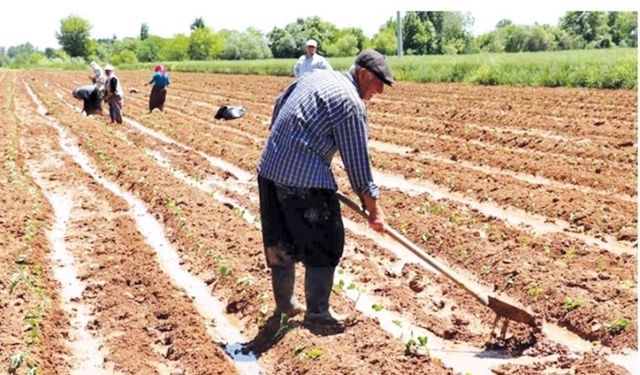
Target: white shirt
x=308, y=64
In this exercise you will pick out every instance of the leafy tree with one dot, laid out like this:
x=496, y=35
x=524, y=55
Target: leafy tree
x=491, y=42
x=282, y=43
x=175, y=49
x=591, y=27
x=624, y=28
x=204, y=44
x=385, y=41
x=418, y=36
x=289, y=42
x=4, y=59
x=249, y=45
x=24, y=49
x=361, y=39
x=503, y=22
x=455, y=38
x=124, y=57
x=144, y=31
x=198, y=24
x=346, y=45
x=149, y=49
x=538, y=39
x=52, y=53
x=74, y=36
x=314, y=27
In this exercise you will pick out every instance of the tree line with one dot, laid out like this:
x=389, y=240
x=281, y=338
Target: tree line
x=423, y=33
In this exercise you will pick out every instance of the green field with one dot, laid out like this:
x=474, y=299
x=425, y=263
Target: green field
x=602, y=68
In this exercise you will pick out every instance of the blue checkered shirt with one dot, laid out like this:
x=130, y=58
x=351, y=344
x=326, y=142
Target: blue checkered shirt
x=313, y=118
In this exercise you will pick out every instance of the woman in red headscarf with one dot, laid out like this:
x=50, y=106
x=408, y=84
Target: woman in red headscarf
x=160, y=81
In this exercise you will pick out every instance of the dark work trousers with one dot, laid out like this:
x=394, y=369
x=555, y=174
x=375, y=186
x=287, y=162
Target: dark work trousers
x=300, y=224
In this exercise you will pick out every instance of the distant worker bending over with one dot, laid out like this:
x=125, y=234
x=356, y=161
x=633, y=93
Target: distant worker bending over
x=311, y=60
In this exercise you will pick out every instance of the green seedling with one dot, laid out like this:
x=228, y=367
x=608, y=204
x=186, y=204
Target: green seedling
x=284, y=326
x=535, y=291
x=571, y=253
x=422, y=340
x=463, y=252
x=510, y=279
x=313, y=353
x=224, y=268
x=16, y=277
x=571, y=304
x=245, y=280
x=337, y=287
x=377, y=307
x=30, y=230
x=437, y=209
x=397, y=322
x=617, y=325
x=485, y=269
x=404, y=228
x=238, y=211
x=416, y=347
x=351, y=286
x=33, y=322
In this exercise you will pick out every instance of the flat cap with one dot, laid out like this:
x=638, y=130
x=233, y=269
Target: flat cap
x=375, y=62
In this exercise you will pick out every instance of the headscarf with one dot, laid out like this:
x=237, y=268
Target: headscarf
x=160, y=68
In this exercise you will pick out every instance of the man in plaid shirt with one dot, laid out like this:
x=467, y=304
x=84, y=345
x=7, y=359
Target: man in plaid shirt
x=317, y=115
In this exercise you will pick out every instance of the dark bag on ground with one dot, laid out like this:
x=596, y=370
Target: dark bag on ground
x=228, y=112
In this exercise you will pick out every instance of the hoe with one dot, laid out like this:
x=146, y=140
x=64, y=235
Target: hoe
x=502, y=308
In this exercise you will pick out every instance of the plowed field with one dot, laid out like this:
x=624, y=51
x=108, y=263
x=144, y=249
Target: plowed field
x=136, y=248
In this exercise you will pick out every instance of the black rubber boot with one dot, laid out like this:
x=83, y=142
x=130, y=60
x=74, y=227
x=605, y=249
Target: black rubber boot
x=283, y=279
x=318, y=282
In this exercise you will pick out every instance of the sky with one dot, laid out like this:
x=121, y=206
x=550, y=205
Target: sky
x=36, y=21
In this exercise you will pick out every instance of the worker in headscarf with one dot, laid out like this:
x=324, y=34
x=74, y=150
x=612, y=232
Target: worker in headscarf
x=160, y=81
x=113, y=94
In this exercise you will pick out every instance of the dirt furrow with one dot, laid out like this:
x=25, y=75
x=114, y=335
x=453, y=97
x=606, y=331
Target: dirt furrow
x=32, y=320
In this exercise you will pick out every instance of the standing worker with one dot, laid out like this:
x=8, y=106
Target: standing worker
x=158, y=95
x=113, y=94
x=299, y=209
x=98, y=78
x=310, y=61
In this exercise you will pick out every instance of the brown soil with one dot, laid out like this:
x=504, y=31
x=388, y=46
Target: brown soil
x=582, y=141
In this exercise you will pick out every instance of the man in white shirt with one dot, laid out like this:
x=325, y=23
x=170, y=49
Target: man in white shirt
x=310, y=61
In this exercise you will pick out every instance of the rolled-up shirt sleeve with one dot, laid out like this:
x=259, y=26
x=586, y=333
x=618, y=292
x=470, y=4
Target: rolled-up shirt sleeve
x=351, y=139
